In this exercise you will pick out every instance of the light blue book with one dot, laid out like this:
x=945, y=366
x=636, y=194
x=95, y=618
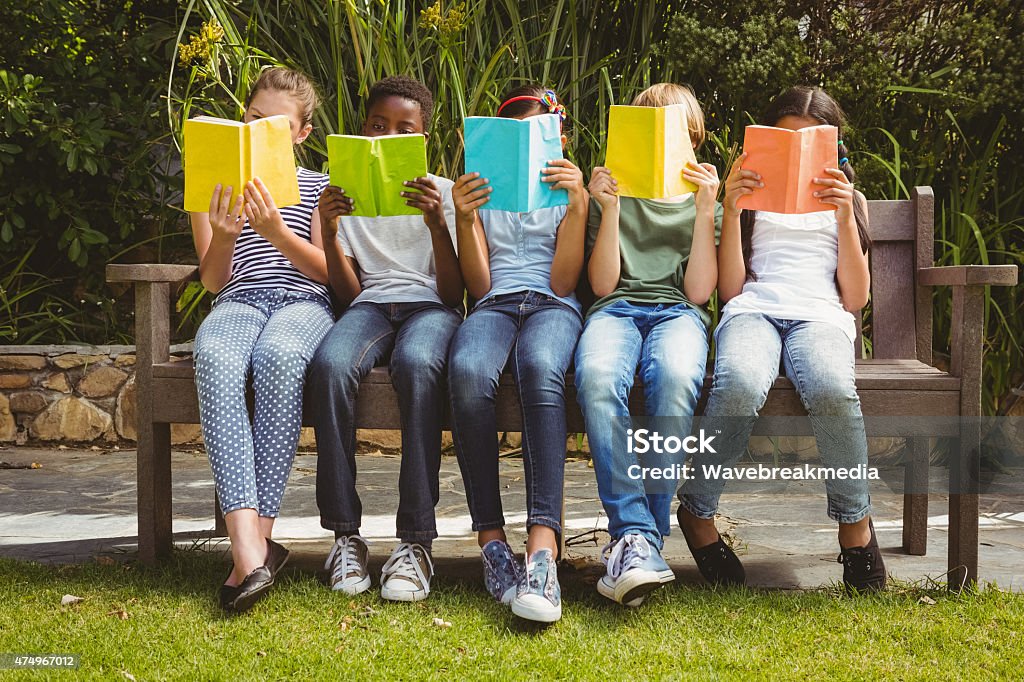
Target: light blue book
x=510, y=153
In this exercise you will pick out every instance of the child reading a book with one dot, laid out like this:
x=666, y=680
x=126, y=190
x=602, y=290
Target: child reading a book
x=522, y=268
x=652, y=268
x=399, y=277
x=268, y=269
x=790, y=283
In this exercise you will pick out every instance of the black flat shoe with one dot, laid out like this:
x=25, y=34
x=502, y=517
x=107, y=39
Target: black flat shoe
x=227, y=594
x=716, y=562
x=252, y=589
x=863, y=568
x=277, y=557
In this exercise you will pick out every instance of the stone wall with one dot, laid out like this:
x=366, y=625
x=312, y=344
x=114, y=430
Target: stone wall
x=73, y=394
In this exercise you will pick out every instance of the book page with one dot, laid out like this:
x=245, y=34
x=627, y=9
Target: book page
x=677, y=149
x=350, y=168
x=212, y=155
x=819, y=149
x=544, y=144
x=272, y=158
x=768, y=153
x=397, y=159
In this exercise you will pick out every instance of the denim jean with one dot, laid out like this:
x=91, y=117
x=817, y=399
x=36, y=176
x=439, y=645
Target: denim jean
x=670, y=345
x=269, y=335
x=818, y=358
x=534, y=336
x=416, y=335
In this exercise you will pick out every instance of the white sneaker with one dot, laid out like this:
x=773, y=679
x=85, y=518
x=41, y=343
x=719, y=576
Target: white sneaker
x=406, y=575
x=347, y=565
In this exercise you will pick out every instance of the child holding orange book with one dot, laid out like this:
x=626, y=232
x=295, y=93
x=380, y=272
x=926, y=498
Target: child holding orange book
x=790, y=283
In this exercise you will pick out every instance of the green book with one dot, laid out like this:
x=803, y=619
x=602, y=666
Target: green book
x=373, y=170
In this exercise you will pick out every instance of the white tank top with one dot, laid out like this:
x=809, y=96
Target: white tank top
x=794, y=259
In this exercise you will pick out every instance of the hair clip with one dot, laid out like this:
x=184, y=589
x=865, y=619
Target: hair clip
x=840, y=143
x=843, y=160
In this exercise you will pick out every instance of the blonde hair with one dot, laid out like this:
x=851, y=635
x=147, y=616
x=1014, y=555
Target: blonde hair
x=665, y=94
x=295, y=83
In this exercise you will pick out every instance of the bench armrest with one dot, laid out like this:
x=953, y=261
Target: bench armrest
x=151, y=272
x=968, y=275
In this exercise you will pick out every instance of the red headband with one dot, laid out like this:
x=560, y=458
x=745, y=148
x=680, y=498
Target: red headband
x=549, y=101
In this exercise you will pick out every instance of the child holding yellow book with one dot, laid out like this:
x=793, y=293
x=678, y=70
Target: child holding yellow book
x=652, y=268
x=268, y=269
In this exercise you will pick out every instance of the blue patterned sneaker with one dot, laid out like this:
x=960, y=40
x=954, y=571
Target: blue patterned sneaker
x=635, y=568
x=538, y=596
x=502, y=571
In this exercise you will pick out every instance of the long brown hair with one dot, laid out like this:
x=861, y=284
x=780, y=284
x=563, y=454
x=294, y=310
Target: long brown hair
x=808, y=102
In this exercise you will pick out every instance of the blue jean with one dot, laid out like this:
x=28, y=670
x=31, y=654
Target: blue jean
x=818, y=358
x=270, y=335
x=670, y=345
x=416, y=336
x=534, y=336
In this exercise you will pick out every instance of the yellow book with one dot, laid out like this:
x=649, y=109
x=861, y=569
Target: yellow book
x=648, y=147
x=231, y=153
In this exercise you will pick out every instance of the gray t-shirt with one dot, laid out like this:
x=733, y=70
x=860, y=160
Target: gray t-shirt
x=394, y=253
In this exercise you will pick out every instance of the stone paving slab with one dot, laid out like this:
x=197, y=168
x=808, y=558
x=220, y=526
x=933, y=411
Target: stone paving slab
x=81, y=504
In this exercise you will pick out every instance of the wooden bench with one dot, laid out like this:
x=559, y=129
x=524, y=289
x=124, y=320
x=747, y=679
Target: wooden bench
x=898, y=380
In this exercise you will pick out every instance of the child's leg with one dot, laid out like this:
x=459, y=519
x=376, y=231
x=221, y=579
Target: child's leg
x=477, y=357
x=417, y=368
x=606, y=359
x=540, y=359
x=356, y=343
x=279, y=363
x=819, y=360
x=746, y=365
x=672, y=368
x=223, y=351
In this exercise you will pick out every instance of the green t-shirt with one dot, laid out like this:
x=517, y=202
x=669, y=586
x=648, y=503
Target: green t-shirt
x=654, y=245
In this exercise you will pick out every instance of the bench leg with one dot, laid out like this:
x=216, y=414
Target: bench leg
x=915, y=497
x=220, y=526
x=154, y=492
x=964, y=474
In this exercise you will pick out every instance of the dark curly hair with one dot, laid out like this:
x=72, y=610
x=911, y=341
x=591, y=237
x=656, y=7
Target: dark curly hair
x=406, y=88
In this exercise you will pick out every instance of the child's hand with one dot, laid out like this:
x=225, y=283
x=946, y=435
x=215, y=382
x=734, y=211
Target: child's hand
x=226, y=220
x=470, y=193
x=428, y=200
x=604, y=188
x=333, y=204
x=705, y=176
x=261, y=210
x=563, y=174
x=739, y=183
x=840, y=193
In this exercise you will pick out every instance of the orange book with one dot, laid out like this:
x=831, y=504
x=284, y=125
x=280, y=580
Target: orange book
x=788, y=161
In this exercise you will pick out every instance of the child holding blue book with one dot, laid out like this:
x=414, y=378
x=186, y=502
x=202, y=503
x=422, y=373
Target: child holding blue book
x=652, y=267
x=399, y=278
x=522, y=268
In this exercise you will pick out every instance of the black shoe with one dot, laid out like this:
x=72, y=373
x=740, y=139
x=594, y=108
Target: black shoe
x=227, y=594
x=252, y=589
x=716, y=562
x=863, y=568
x=277, y=557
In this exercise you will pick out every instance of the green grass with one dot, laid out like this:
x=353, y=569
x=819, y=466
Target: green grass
x=173, y=630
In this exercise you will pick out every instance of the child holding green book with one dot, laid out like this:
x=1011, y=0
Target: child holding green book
x=399, y=277
x=522, y=267
x=268, y=269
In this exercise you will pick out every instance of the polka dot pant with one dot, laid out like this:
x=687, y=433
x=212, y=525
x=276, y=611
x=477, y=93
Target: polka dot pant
x=270, y=335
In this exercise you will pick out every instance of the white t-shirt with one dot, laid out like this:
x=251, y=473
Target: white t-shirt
x=394, y=253
x=794, y=258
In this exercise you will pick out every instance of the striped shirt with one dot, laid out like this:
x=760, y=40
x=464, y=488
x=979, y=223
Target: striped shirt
x=257, y=264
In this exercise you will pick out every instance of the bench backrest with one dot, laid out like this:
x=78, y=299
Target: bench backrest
x=902, y=234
